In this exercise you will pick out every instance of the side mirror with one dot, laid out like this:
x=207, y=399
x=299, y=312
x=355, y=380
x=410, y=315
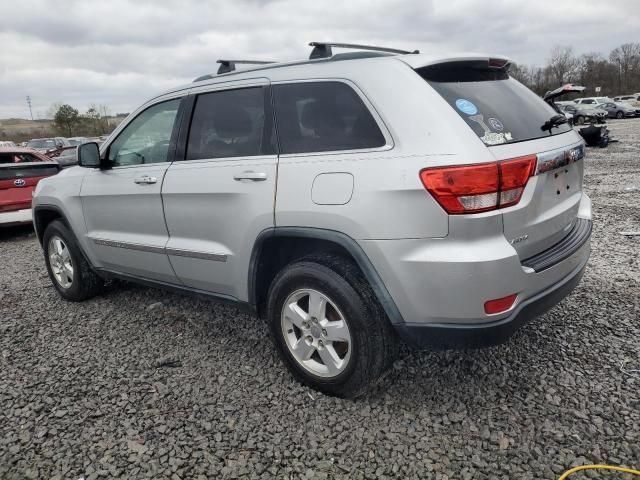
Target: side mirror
x=89, y=155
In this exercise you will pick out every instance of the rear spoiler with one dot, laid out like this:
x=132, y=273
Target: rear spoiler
x=427, y=60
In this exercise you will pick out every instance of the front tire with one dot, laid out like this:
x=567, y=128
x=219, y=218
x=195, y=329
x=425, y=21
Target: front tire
x=328, y=326
x=68, y=270
x=580, y=120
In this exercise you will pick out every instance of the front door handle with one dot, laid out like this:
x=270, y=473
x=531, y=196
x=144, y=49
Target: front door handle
x=145, y=180
x=250, y=175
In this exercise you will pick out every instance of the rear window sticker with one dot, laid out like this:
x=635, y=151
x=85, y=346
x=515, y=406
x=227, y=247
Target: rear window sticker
x=493, y=138
x=496, y=124
x=465, y=106
x=479, y=119
x=489, y=137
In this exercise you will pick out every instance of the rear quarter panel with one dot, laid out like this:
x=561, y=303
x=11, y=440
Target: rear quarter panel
x=388, y=200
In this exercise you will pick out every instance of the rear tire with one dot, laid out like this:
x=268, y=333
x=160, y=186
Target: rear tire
x=350, y=346
x=68, y=270
x=619, y=115
x=580, y=120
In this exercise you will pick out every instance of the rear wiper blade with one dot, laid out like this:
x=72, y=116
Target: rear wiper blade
x=554, y=121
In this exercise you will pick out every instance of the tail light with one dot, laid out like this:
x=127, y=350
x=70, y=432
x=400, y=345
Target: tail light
x=481, y=187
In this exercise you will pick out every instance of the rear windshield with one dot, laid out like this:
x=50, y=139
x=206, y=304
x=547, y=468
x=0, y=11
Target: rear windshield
x=44, y=143
x=498, y=108
x=28, y=171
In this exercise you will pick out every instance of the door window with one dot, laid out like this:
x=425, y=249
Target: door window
x=145, y=139
x=229, y=123
x=323, y=116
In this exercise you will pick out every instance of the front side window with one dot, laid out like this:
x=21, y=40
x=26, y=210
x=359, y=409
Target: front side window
x=146, y=138
x=322, y=117
x=228, y=123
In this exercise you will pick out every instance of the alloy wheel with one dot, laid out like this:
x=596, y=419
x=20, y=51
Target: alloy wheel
x=316, y=333
x=60, y=262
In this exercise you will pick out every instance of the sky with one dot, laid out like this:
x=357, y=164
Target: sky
x=120, y=52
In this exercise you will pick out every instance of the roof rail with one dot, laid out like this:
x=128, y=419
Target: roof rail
x=227, y=66
x=323, y=49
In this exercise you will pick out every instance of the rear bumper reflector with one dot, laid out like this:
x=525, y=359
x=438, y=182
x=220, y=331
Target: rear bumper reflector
x=500, y=305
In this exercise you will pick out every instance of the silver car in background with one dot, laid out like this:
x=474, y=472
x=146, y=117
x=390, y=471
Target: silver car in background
x=351, y=200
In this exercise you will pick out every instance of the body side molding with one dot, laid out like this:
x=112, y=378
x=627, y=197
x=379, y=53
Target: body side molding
x=217, y=257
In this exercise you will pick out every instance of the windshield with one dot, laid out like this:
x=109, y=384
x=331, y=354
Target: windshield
x=498, y=108
x=41, y=143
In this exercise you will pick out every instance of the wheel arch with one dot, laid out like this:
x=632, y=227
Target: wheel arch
x=43, y=215
x=276, y=247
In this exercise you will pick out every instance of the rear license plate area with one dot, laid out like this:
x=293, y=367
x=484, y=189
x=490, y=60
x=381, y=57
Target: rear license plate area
x=563, y=181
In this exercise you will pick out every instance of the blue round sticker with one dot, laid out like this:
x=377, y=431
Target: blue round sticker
x=465, y=106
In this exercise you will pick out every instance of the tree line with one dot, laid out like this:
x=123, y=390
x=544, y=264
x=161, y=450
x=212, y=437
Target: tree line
x=617, y=74
x=69, y=122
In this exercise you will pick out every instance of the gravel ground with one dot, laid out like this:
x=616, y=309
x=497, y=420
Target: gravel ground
x=142, y=383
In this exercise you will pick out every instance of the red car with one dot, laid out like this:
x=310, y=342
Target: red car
x=20, y=171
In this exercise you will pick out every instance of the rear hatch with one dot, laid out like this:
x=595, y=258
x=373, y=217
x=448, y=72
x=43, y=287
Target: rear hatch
x=17, y=181
x=511, y=122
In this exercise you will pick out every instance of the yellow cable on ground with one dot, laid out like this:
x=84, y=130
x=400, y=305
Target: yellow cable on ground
x=599, y=467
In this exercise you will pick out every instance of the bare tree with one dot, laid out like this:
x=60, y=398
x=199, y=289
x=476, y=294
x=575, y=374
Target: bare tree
x=562, y=65
x=520, y=73
x=595, y=71
x=627, y=58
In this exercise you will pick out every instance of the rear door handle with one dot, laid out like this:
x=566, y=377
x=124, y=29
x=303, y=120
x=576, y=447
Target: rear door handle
x=250, y=175
x=145, y=180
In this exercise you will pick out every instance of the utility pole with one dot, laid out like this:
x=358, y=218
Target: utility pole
x=29, y=103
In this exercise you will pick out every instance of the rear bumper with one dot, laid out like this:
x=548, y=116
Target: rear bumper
x=16, y=217
x=440, y=286
x=493, y=333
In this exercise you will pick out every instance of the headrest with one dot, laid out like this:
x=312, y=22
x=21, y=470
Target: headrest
x=319, y=115
x=232, y=122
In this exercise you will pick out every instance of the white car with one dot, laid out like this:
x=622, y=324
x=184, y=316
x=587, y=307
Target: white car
x=627, y=98
x=594, y=100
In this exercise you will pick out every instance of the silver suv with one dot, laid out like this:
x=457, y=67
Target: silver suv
x=351, y=200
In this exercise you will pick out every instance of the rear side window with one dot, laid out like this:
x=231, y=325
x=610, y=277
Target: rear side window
x=229, y=123
x=322, y=117
x=498, y=108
